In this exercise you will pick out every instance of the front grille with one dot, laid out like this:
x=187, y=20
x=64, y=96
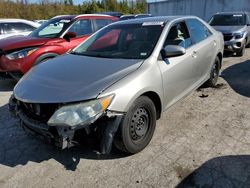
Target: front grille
x=38, y=112
x=227, y=37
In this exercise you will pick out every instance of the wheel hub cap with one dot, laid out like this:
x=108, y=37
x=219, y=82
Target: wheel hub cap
x=140, y=123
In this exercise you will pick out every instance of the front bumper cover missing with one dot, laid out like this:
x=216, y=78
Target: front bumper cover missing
x=63, y=137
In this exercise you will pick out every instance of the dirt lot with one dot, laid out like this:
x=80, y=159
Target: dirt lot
x=203, y=141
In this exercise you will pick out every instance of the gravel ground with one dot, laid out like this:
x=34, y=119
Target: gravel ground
x=203, y=141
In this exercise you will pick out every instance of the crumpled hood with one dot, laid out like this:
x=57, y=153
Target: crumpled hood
x=17, y=42
x=71, y=78
x=229, y=29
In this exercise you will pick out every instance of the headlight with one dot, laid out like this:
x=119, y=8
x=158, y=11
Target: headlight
x=81, y=113
x=238, y=35
x=21, y=54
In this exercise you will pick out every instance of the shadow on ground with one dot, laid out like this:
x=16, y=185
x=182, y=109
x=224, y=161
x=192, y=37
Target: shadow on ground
x=7, y=84
x=18, y=148
x=238, y=77
x=226, y=171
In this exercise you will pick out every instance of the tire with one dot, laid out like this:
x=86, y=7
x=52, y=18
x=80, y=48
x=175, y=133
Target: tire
x=138, y=126
x=247, y=43
x=214, y=73
x=43, y=60
x=242, y=51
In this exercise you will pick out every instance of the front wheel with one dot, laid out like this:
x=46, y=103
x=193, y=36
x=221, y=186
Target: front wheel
x=214, y=73
x=137, y=128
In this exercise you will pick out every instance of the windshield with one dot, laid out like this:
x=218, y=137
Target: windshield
x=228, y=20
x=52, y=28
x=126, y=41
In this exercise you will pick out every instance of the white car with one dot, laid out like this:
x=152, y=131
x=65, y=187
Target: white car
x=40, y=22
x=14, y=27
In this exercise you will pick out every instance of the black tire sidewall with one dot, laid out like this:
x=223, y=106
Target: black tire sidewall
x=129, y=145
x=212, y=80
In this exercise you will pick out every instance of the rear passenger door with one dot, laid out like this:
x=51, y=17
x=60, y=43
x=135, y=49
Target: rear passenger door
x=204, y=48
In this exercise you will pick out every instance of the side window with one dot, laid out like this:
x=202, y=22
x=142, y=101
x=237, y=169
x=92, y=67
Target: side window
x=16, y=27
x=198, y=30
x=100, y=23
x=82, y=27
x=24, y=27
x=178, y=35
x=8, y=28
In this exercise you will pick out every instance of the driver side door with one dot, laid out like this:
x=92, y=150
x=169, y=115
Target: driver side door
x=177, y=72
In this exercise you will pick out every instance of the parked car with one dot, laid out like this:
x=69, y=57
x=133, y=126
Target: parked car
x=53, y=38
x=40, y=21
x=14, y=27
x=132, y=16
x=235, y=27
x=119, y=81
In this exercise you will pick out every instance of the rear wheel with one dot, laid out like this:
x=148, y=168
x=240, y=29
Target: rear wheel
x=137, y=128
x=214, y=73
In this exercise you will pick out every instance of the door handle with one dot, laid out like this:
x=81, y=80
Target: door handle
x=194, y=54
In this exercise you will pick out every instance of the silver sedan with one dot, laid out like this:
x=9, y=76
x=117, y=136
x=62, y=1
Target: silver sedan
x=116, y=84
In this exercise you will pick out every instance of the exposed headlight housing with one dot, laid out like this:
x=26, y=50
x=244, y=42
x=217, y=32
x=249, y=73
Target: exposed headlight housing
x=238, y=35
x=80, y=114
x=21, y=53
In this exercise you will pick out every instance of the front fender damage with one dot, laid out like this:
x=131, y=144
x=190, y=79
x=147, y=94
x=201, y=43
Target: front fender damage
x=103, y=129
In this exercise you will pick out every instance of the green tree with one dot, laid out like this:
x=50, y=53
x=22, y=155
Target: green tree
x=46, y=9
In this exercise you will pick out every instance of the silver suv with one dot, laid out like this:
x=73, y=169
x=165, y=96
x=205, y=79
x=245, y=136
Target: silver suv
x=118, y=82
x=235, y=27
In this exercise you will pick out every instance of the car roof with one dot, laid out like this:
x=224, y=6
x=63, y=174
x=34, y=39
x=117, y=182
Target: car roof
x=81, y=16
x=115, y=14
x=234, y=12
x=126, y=15
x=9, y=20
x=13, y=20
x=164, y=19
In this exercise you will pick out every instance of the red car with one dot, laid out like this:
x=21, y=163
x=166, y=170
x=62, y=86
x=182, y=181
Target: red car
x=53, y=38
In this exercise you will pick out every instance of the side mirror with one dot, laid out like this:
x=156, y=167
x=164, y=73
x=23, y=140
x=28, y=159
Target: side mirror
x=69, y=35
x=172, y=51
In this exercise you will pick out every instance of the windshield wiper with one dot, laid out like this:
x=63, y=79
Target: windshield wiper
x=75, y=53
x=90, y=55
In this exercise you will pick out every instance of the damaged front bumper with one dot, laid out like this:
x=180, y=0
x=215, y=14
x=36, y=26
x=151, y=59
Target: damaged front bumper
x=64, y=136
